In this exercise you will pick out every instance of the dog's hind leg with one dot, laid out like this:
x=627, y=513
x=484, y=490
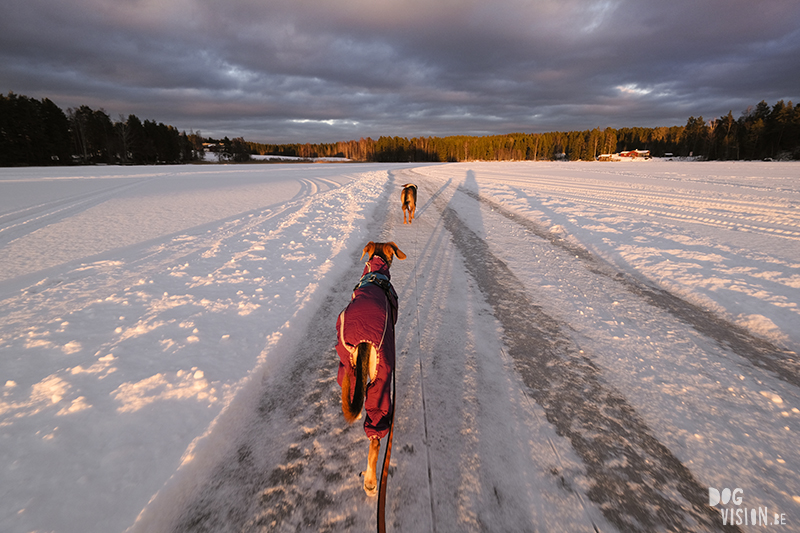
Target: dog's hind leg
x=371, y=473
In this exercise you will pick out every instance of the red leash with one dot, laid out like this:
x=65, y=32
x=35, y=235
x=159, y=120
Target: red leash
x=385, y=469
x=387, y=287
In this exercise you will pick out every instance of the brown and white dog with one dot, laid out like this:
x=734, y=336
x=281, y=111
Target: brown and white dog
x=366, y=352
x=409, y=200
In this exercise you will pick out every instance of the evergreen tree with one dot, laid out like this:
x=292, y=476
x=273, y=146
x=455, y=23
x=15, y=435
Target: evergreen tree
x=240, y=152
x=695, y=137
x=137, y=144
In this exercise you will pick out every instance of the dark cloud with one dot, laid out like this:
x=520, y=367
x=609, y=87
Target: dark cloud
x=313, y=70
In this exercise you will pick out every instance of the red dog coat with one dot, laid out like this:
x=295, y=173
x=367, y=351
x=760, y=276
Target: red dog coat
x=370, y=317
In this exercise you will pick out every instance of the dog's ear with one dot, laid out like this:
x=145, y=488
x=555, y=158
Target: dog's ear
x=369, y=249
x=397, y=251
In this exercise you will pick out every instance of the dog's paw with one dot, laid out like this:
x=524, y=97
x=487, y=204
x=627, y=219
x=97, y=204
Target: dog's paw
x=370, y=487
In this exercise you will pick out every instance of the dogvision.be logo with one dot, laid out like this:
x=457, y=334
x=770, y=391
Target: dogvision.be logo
x=734, y=514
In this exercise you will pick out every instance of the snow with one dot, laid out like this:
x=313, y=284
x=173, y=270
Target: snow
x=148, y=313
x=213, y=157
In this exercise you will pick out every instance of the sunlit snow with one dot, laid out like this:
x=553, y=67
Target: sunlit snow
x=139, y=302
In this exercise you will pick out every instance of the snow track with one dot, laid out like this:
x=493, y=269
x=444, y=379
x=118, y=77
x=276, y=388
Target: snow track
x=19, y=222
x=725, y=207
x=294, y=463
x=634, y=479
x=662, y=417
x=284, y=455
x=784, y=364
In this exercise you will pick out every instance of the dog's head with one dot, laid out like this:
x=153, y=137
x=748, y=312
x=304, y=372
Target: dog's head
x=384, y=250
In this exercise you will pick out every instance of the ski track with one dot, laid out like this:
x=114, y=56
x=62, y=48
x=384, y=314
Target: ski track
x=15, y=224
x=784, y=364
x=98, y=278
x=55, y=225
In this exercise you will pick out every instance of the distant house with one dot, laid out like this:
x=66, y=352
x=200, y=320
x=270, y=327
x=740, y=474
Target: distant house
x=636, y=153
x=625, y=156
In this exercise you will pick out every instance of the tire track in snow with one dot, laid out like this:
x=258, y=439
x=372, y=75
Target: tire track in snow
x=296, y=466
x=752, y=214
x=16, y=224
x=783, y=364
x=100, y=277
x=638, y=484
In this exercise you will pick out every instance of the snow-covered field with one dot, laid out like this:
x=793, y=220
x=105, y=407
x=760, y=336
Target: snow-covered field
x=167, y=363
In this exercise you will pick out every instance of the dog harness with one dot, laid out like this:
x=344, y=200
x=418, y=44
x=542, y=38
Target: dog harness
x=380, y=280
x=370, y=317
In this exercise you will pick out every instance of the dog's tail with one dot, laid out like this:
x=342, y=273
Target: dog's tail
x=352, y=410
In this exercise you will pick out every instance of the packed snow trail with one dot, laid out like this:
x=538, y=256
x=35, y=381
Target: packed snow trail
x=633, y=478
x=708, y=390
x=601, y=425
x=459, y=463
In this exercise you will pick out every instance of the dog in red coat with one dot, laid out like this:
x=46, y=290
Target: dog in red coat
x=366, y=352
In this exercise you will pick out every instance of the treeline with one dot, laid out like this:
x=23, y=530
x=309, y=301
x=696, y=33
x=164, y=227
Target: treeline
x=37, y=132
x=761, y=132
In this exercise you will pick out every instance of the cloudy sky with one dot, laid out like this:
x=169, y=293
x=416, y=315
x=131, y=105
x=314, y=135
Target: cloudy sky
x=321, y=71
